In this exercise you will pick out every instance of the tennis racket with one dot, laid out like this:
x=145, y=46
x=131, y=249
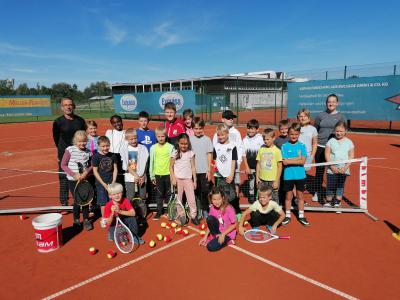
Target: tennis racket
x=138, y=203
x=83, y=191
x=260, y=236
x=175, y=209
x=124, y=238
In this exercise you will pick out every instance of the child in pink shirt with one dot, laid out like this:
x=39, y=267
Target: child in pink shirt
x=183, y=173
x=221, y=222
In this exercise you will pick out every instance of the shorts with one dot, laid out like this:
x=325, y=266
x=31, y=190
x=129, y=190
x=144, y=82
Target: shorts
x=102, y=195
x=300, y=185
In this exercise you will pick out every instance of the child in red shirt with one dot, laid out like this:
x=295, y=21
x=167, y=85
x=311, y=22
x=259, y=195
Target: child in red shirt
x=173, y=125
x=122, y=208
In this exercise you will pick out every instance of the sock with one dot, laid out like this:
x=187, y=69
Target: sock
x=288, y=213
x=301, y=213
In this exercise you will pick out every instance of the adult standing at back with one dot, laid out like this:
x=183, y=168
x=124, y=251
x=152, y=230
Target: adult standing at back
x=325, y=123
x=64, y=128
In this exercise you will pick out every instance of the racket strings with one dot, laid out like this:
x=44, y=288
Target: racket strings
x=83, y=193
x=124, y=239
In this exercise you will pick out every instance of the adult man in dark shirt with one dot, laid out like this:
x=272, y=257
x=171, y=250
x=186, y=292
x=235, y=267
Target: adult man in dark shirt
x=64, y=128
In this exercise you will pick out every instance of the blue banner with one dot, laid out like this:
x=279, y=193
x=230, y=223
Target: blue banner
x=153, y=102
x=368, y=98
x=24, y=106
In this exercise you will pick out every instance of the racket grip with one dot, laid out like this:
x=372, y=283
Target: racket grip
x=284, y=237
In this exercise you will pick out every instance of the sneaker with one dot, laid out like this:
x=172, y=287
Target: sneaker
x=77, y=224
x=141, y=242
x=337, y=204
x=195, y=222
x=286, y=221
x=304, y=221
x=327, y=204
x=156, y=217
x=87, y=225
x=315, y=198
x=103, y=223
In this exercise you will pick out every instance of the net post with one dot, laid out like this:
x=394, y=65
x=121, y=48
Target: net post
x=363, y=183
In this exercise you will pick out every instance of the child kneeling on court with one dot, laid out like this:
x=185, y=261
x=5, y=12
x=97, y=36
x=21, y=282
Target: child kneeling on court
x=263, y=212
x=122, y=208
x=221, y=222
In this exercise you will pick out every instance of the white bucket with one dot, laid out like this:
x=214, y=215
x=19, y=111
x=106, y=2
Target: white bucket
x=48, y=232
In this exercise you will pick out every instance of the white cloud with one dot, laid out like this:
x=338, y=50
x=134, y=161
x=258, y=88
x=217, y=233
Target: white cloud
x=161, y=36
x=113, y=33
x=23, y=70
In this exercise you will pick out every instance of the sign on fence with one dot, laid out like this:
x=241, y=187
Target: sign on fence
x=368, y=98
x=24, y=106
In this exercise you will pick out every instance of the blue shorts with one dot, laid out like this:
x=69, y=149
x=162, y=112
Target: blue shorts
x=102, y=195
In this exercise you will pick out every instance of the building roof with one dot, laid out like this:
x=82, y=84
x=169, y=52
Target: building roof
x=100, y=98
x=263, y=75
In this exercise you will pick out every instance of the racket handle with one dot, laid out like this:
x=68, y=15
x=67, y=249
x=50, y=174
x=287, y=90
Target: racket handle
x=284, y=237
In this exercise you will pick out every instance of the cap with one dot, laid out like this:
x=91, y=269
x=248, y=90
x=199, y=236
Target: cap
x=228, y=114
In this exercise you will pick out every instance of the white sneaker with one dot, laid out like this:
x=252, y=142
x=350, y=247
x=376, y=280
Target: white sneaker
x=315, y=198
x=103, y=223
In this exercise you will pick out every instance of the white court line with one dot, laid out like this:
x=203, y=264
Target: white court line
x=28, y=187
x=22, y=174
x=389, y=168
x=6, y=140
x=33, y=150
x=291, y=272
x=127, y=264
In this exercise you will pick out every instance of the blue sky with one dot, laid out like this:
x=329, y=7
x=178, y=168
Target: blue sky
x=140, y=41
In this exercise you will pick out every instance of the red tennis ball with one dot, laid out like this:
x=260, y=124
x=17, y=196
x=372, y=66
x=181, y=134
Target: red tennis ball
x=23, y=217
x=111, y=254
x=167, y=239
x=92, y=250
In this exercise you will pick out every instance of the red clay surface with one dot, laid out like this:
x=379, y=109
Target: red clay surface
x=348, y=252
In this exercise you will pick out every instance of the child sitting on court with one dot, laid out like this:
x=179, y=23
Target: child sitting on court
x=263, y=212
x=294, y=155
x=117, y=206
x=159, y=169
x=174, y=126
x=76, y=163
x=225, y=156
x=338, y=148
x=134, y=159
x=221, y=222
x=269, y=164
x=183, y=174
x=187, y=117
x=105, y=170
x=91, y=130
x=203, y=149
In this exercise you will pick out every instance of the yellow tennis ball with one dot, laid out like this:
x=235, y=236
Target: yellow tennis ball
x=173, y=225
x=163, y=224
x=160, y=236
x=152, y=244
x=185, y=231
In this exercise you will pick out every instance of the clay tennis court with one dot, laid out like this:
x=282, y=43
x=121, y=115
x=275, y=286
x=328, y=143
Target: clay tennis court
x=339, y=256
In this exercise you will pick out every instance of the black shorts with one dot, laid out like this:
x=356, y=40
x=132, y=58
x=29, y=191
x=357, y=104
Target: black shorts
x=300, y=185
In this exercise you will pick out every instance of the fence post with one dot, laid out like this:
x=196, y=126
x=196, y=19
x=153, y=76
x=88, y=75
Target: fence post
x=394, y=70
x=283, y=81
x=326, y=75
x=237, y=100
x=345, y=72
x=275, y=91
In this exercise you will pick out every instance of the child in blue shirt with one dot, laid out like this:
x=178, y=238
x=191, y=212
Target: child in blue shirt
x=294, y=155
x=146, y=136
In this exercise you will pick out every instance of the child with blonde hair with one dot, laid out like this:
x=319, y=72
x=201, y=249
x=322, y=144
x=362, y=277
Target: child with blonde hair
x=76, y=163
x=159, y=169
x=91, y=130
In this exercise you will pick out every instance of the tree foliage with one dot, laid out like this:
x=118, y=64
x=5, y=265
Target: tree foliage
x=59, y=90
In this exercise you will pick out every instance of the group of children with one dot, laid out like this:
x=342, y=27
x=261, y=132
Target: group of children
x=178, y=155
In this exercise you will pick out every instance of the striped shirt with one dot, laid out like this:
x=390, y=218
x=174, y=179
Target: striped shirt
x=74, y=156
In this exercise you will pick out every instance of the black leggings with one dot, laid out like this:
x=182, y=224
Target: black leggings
x=163, y=191
x=76, y=207
x=213, y=226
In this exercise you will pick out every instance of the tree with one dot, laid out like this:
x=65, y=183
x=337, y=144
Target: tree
x=22, y=89
x=100, y=88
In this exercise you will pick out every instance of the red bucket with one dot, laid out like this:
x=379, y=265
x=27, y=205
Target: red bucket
x=48, y=232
